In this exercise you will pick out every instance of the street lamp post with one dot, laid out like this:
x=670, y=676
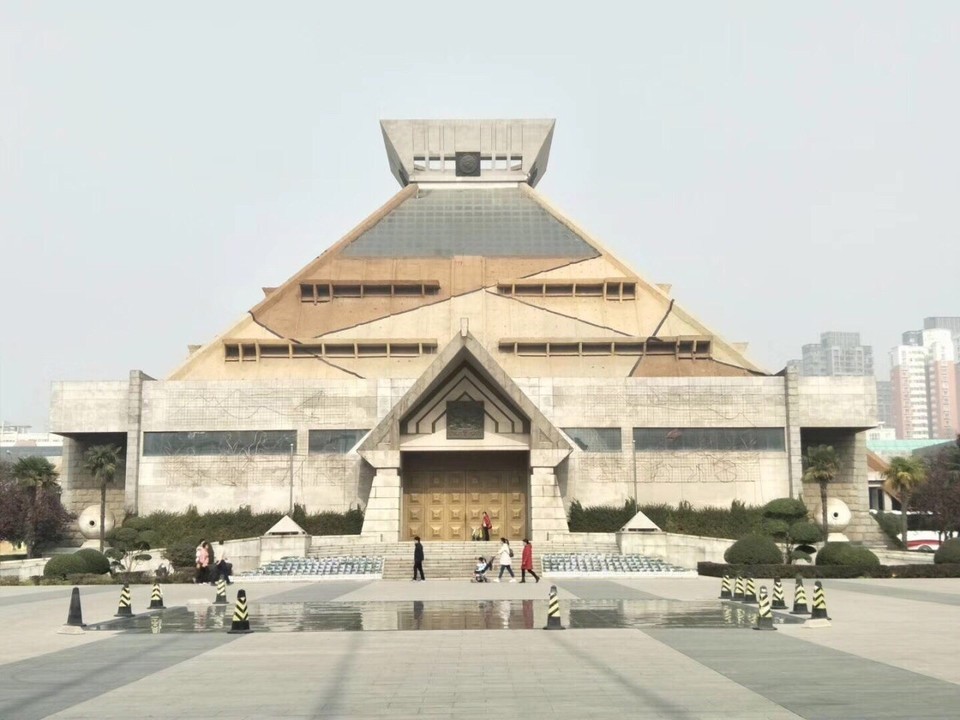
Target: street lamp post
x=291, y=480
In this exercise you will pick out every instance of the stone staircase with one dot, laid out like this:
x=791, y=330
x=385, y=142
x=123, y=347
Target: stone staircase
x=443, y=560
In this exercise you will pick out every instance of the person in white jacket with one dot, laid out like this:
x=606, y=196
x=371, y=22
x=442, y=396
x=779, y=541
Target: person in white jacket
x=505, y=556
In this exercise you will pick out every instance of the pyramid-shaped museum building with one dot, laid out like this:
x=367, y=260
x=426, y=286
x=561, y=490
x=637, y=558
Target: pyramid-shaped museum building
x=465, y=348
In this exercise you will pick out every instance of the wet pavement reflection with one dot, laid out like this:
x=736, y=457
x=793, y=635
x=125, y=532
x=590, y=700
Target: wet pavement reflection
x=445, y=615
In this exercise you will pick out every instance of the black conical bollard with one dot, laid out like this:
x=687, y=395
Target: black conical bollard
x=156, y=598
x=241, y=619
x=553, y=611
x=124, y=609
x=75, y=616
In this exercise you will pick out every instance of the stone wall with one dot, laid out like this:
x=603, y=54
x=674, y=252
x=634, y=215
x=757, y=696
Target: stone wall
x=340, y=481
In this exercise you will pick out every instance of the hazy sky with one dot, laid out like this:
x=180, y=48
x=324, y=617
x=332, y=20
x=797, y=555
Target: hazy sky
x=789, y=168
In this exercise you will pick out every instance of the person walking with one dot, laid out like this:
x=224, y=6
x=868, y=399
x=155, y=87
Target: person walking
x=526, y=562
x=417, y=558
x=486, y=524
x=505, y=556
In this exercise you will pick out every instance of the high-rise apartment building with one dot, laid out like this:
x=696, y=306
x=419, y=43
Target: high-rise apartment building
x=885, y=403
x=908, y=380
x=946, y=323
x=838, y=354
x=924, y=379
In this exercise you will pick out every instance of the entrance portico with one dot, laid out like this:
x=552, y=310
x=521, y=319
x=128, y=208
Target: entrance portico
x=464, y=440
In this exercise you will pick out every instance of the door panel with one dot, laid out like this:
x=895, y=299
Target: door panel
x=448, y=505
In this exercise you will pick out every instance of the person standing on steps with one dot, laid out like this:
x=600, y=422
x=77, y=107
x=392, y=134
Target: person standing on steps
x=526, y=562
x=417, y=558
x=486, y=524
x=505, y=556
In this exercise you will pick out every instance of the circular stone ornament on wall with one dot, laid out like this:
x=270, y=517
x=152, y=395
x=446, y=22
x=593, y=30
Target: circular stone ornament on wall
x=89, y=522
x=838, y=518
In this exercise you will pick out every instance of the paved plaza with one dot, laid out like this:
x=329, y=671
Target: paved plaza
x=378, y=649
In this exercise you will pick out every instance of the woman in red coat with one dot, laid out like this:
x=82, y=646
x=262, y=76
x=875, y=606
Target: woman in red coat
x=526, y=562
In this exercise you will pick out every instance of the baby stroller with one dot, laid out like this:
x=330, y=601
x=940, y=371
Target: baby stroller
x=480, y=571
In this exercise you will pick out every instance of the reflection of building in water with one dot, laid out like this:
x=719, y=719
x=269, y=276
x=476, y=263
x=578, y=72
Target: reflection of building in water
x=465, y=348
x=505, y=613
x=528, y=614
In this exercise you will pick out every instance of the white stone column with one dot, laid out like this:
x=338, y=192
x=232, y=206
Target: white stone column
x=548, y=519
x=381, y=519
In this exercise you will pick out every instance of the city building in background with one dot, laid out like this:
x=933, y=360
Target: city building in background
x=16, y=442
x=885, y=404
x=838, y=354
x=924, y=376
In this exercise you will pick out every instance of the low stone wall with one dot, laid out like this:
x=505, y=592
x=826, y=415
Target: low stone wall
x=681, y=550
x=902, y=557
x=22, y=569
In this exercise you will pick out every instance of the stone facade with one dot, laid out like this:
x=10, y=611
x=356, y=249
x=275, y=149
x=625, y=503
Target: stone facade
x=464, y=288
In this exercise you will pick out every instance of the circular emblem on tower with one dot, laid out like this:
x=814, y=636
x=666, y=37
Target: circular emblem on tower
x=468, y=164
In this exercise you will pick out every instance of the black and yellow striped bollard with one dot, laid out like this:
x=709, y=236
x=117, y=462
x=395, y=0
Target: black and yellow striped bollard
x=738, y=588
x=779, y=603
x=221, y=592
x=750, y=594
x=819, y=611
x=764, y=613
x=553, y=611
x=156, y=597
x=241, y=620
x=124, y=609
x=725, y=593
x=799, y=598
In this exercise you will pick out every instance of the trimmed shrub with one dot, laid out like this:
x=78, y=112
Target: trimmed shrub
x=803, y=532
x=754, y=550
x=181, y=556
x=59, y=566
x=97, y=563
x=785, y=509
x=844, y=553
x=949, y=552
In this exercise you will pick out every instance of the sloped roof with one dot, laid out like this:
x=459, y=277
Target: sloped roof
x=493, y=222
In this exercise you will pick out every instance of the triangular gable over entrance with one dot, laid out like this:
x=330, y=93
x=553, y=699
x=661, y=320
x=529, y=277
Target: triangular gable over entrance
x=464, y=371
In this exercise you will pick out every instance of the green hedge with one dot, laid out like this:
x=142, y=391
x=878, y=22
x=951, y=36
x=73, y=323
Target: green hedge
x=59, y=566
x=190, y=527
x=949, y=552
x=709, y=569
x=97, y=563
x=846, y=554
x=732, y=523
x=754, y=550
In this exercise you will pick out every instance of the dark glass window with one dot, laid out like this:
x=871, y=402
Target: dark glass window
x=595, y=439
x=334, y=441
x=230, y=442
x=710, y=439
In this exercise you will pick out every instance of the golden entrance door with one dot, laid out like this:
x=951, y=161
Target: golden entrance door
x=449, y=504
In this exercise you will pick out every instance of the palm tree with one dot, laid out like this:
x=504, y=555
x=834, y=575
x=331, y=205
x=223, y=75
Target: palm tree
x=821, y=465
x=36, y=472
x=901, y=478
x=102, y=461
